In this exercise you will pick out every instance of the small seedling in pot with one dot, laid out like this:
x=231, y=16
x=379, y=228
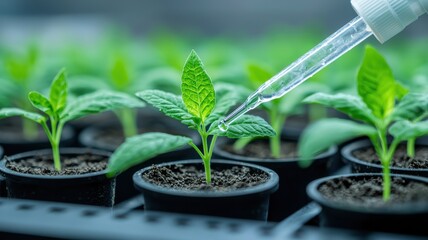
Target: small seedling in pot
x=376, y=108
x=57, y=111
x=198, y=108
x=280, y=109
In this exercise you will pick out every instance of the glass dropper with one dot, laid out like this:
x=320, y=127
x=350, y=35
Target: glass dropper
x=305, y=67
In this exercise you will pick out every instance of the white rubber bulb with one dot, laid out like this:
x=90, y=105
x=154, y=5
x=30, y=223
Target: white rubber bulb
x=386, y=18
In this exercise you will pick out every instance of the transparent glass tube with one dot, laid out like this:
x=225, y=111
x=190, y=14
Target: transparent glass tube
x=306, y=66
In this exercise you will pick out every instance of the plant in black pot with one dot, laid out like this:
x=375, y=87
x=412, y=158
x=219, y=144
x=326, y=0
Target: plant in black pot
x=221, y=188
x=373, y=202
x=108, y=135
x=69, y=175
x=279, y=152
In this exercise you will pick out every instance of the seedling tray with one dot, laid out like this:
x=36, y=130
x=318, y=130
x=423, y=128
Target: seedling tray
x=28, y=219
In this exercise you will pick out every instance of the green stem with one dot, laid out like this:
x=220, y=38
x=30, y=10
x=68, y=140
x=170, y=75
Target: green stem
x=55, y=140
x=127, y=118
x=54, y=144
x=385, y=158
x=386, y=182
x=212, y=145
x=56, y=157
x=411, y=147
x=277, y=121
x=205, y=159
x=386, y=161
x=207, y=168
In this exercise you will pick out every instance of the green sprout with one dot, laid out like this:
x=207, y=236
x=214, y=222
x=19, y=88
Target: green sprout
x=376, y=107
x=198, y=108
x=57, y=111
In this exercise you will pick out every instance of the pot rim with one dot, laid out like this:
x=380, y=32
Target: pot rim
x=269, y=186
x=347, y=150
x=65, y=151
x=407, y=208
x=325, y=154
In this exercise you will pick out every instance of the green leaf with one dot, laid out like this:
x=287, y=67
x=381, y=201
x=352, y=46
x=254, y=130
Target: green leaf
x=321, y=135
x=197, y=88
x=120, y=74
x=58, y=92
x=413, y=107
x=168, y=103
x=405, y=130
x=99, y=102
x=258, y=75
x=291, y=103
x=245, y=126
x=41, y=102
x=140, y=148
x=348, y=104
x=376, y=84
x=12, y=112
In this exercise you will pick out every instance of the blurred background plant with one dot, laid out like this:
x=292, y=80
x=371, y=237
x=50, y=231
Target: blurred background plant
x=131, y=45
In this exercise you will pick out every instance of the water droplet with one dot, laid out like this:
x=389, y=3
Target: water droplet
x=223, y=126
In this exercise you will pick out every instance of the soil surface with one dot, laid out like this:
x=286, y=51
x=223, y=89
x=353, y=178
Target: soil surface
x=400, y=159
x=43, y=165
x=261, y=149
x=193, y=179
x=368, y=192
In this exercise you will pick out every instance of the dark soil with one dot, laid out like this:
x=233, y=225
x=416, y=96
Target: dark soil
x=43, y=165
x=193, y=179
x=261, y=149
x=368, y=192
x=400, y=159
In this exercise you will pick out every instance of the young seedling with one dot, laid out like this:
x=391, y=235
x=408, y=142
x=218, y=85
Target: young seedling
x=57, y=111
x=279, y=109
x=198, y=108
x=376, y=108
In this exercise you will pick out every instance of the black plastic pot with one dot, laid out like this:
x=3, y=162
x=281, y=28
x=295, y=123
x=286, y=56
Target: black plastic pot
x=91, y=188
x=248, y=203
x=293, y=179
x=360, y=166
x=89, y=137
x=15, y=145
x=407, y=218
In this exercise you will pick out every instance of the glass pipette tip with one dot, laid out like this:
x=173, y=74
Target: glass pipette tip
x=305, y=67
